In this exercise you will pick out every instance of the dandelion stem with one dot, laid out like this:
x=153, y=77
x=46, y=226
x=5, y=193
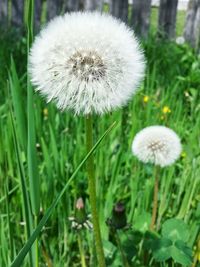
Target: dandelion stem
x=81, y=250
x=36, y=245
x=92, y=194
x=155, y=198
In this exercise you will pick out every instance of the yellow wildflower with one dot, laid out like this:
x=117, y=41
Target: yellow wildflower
x=183, y=154
x=45, y=112
x=198, y=256
x=162, y=118
x=166, y=110
x=145, y=99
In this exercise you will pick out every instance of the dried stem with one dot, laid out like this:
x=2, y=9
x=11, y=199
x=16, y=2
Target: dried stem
x=155, y=199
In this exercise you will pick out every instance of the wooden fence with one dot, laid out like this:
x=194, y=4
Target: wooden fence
x=139, y=12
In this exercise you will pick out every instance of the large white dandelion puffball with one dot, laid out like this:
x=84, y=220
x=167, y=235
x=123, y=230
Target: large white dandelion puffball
x=86, y=62
x=158, y=145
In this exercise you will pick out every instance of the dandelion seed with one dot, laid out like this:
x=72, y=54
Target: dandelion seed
x=180, y=40
x=158, y=145
x=93, y=74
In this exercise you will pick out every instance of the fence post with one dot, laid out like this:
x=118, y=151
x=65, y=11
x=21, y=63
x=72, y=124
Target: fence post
x=119, y=9
x=140, y=19
x=37, y=14
x=93, y=5
x=72, y=5
x=4, y=12
x=192, y=23
x=167, y=18
x=54, y=8
x=17, y=12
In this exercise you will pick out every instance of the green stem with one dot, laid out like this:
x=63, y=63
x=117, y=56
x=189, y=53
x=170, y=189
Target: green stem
x=92, y=194
x=81, y=250
x=36, y=245
x=124, y=258
x=155, y=199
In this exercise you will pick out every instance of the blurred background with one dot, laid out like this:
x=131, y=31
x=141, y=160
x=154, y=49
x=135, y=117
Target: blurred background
x=171, y=18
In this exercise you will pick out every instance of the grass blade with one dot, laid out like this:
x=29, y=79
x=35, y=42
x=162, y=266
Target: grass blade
x=26, y=203
x=31, y=154
x=17, y=104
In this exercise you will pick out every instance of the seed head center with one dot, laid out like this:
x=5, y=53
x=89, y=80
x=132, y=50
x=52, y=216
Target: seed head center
x=156, y=146
x=86, y=65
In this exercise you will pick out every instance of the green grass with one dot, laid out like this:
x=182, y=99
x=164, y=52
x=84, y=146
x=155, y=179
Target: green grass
x=172, y=79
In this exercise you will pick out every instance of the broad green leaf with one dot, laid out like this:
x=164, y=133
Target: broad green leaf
x=179, y=252
x=142, y=222
x=162, y=254
x=175, y=229
x=109, y=249
x=128, y=244
x=161, y=251
x=180, y=256
x=182, y=246
x=150, y=240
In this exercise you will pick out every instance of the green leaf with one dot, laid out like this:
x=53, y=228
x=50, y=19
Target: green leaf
x=162, y=249
x=109, y=249
x=142, y=222
x=175, y=229
x=20, y=257
x=150, y=239
x=182, y=246
x=128, y=244
x=165, y=249
x=180, y=256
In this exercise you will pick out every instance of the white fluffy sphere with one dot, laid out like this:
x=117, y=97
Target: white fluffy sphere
x=158, y=145
x=86, y=62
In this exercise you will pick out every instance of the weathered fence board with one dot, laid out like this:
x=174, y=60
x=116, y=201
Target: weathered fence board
x=54, y=8
x=192, y=25
x=38, y=13
x=119, y=9
x=93, y=5
x=72, y=5
x=3, y=11
x=167, y=18
x=140, y=19
x=17, y=12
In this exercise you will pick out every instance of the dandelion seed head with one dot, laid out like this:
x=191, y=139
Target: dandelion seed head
x=86, y=62
x=158, y=145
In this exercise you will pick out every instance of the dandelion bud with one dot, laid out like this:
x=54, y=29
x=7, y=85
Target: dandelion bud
x=80, y=213
x=80, y=218
x=118, y=220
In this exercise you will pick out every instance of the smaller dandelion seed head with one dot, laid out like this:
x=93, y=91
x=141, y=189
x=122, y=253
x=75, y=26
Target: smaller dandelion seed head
x=158, y=145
